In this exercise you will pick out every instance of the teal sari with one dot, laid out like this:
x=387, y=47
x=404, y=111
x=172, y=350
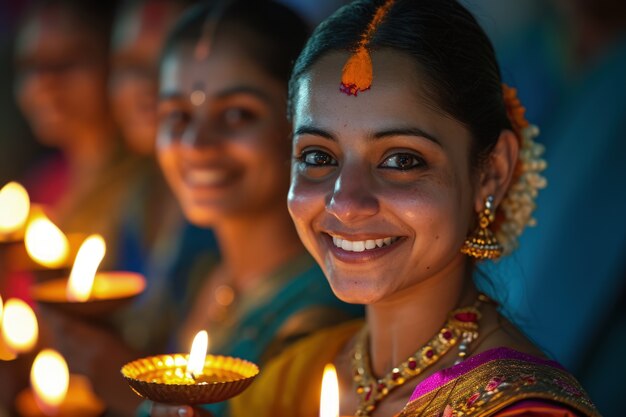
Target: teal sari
x=294, y=301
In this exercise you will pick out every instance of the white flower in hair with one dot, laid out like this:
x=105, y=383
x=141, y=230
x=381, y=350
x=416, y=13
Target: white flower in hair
x=515, y=211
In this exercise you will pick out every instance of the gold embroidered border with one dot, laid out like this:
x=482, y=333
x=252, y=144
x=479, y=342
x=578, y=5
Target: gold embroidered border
x=497, y=384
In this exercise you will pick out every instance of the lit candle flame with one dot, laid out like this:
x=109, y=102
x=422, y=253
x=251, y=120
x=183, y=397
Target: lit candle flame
x=329, y=401
x=14, y=207
x=50, y=379
x=6, y=354
x=197, y=357
x=83, y=273
x=45, y=242
x=19, y=326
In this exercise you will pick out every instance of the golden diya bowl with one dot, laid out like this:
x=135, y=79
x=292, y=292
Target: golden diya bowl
x=111, y=291
x=163, y=379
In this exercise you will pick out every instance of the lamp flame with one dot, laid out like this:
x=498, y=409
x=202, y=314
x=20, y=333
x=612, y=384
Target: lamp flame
x=83, y=273
x=6, y=354
x=45, y=242
x=50, y=379
x=329, y=401
x=197, y=356
x=14, y=207
x=19, y=326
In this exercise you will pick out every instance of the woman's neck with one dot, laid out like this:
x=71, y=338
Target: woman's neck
x=253, y=246
x=399, y=327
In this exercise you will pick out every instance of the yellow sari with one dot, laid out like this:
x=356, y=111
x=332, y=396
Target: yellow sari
x=500, y=382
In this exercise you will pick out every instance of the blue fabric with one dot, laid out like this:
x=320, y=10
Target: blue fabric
x=195, y=243
x=569, y=272
x=259, y=328
x=153, y=317
x=308, y=290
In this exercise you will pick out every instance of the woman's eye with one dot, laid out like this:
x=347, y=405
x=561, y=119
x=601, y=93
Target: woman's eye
x=317, y=159
x=176, y=122
x=403, y=161
x=237, y=117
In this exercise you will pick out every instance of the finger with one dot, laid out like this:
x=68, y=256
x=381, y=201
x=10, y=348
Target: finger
x=162, y=410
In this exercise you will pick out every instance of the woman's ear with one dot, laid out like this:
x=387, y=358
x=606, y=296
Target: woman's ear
x=498, y=170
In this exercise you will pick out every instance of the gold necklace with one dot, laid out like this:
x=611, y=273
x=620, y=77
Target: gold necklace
x=461, y=326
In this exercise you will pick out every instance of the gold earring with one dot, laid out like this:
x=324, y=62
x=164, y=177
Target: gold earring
x=482, y=244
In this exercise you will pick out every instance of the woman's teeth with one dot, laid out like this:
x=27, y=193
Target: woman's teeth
x=362, y=245
x=205, y=177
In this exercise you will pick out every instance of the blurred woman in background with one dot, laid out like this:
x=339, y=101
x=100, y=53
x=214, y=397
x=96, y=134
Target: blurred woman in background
x=223, y=144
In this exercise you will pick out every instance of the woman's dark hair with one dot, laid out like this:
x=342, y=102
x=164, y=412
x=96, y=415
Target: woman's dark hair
x=95, y=17
x=453, y=55
x=278, y=34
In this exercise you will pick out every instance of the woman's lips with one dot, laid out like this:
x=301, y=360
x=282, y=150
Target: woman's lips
x=206, y=185
x=360, y=250
x=205, y=177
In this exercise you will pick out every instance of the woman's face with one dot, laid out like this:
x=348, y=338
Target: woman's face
x=61, y=77
x=223, y=138
x=381, y=193
x=138, y=36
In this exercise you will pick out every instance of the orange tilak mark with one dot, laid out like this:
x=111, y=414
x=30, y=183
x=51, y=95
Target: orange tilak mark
x=357, y=74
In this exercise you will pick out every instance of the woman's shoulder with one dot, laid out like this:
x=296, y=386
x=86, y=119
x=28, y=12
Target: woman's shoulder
x=503, y=382
x=290, y=383
x=319, y=346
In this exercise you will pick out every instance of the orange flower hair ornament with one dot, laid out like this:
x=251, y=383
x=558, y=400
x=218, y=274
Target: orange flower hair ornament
x=515, y=211
x=357, y=74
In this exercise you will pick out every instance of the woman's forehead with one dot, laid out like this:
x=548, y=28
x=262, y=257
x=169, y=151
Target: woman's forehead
x=395, y=100
x=395, y=90
x=225, y=63
x=393, y=73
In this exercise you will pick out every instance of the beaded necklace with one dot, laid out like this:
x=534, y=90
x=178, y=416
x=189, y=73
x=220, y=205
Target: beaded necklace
x=461, y=327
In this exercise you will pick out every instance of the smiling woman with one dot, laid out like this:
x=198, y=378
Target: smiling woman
x=409, y=158
x=384, y=178
x=223, y=145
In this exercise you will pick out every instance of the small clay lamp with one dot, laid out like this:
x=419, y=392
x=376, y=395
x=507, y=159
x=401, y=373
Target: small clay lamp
x=196, y=378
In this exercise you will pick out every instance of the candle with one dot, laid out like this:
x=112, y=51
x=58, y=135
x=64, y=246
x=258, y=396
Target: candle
x=14, y=209
x=83, y=273
x=87, y=291
x=45, y=243
x=329, y=401
x=19, y=326
x=6, y=354
x=55, y=392
x=197, y=356
x=196, y=378
x=49, y=378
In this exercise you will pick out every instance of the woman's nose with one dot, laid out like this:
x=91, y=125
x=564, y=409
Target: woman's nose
x=353, y=197
x=200, y=134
